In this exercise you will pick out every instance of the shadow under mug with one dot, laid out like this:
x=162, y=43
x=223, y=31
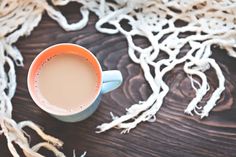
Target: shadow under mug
x=107, y=81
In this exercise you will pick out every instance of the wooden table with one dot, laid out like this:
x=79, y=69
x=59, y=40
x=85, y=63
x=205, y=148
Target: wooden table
x=174, y=134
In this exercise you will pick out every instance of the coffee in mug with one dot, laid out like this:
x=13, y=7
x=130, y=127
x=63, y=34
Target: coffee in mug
x=67, y=81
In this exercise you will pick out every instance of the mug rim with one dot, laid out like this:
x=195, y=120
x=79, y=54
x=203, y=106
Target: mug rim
x=36, y=100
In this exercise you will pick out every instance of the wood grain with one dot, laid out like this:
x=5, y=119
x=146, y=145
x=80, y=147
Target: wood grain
x=174, y=134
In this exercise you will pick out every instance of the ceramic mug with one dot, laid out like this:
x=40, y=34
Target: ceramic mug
x=107, y=81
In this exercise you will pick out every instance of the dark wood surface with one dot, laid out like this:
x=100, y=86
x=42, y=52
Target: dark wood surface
x=174, y=134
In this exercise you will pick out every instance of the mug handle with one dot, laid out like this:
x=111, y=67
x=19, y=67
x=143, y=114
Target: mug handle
x=111, y=80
